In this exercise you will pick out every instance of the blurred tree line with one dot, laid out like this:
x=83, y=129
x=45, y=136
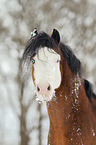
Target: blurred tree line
x=23, y=121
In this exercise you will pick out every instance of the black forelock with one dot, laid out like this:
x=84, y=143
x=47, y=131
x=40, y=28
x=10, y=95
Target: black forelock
x=35, y=43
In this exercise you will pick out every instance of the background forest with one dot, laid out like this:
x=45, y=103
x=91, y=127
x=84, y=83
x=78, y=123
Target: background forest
x=23, y=121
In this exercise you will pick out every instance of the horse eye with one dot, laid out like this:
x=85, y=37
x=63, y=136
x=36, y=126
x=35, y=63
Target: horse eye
x=33, y=61
x=58, y=60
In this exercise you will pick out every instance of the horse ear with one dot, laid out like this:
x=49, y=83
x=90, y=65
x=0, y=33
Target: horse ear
x=56, y=36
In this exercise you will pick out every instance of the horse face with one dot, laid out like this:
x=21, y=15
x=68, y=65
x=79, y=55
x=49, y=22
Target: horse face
x=46, y=73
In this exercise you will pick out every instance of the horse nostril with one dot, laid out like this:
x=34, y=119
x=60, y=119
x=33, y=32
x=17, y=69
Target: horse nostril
x=38, y=89
x=49, y=88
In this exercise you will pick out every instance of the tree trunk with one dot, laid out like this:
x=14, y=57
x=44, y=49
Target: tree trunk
x=23, y=130
x=40, y=125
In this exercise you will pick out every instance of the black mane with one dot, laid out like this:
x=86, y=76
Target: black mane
x=44, y=40
x=89, y=89
x=73, y=62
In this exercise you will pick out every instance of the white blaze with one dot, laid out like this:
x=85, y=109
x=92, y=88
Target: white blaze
x=47, y=71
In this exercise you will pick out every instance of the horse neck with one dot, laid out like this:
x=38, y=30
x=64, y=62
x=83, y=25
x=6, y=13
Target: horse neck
x=69, y=101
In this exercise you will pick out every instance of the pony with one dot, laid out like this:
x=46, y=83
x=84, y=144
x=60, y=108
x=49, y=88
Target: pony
x=70, y=99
